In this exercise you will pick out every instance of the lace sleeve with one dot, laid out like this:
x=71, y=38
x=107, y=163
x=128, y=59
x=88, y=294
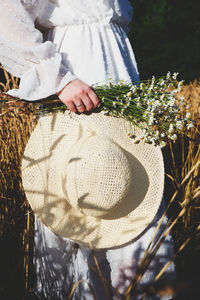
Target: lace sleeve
x=24, y=54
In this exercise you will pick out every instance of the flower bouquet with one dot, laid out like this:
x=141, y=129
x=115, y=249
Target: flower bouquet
x=152, y=105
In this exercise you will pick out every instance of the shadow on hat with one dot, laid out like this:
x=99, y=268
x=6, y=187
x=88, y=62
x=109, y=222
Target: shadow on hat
x=86, y=179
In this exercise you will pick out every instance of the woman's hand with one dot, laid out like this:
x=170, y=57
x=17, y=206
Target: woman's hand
x=77, y=95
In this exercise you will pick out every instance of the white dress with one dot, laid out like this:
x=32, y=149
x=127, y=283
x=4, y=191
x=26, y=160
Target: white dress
x=83, y=39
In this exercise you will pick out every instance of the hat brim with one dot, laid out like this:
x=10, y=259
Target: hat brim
x=129, y=219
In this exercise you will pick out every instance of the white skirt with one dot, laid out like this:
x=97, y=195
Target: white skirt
x=60, y=264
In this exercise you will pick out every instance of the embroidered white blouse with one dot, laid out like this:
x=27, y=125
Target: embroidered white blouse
x=83, y=38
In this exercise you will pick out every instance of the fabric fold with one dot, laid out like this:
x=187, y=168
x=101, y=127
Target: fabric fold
x=25, y=54
x=44, y=79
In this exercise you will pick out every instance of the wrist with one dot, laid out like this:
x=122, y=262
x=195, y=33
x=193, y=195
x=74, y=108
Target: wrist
x=58, y=93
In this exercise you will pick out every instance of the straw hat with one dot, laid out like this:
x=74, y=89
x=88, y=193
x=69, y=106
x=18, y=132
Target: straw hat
x=86, y=179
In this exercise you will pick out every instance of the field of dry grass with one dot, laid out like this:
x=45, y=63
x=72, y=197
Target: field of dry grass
x=182, y=163
x=182, y=194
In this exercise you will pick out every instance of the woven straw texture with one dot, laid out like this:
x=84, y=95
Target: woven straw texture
x=86, y=180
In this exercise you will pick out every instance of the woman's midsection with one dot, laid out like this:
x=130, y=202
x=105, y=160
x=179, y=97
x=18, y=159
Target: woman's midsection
x=96, y=52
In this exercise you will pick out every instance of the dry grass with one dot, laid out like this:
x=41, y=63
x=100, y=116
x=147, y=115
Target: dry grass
x=16, y=223
x=182, y=163
x=182, y=194
x=183, y=157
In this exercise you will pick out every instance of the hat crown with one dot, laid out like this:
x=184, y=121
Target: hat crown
x=98, y=175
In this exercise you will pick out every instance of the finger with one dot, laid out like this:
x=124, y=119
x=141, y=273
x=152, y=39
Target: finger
x=94, y=98
x=79, y=106
x=87, y=102
x=71, y=106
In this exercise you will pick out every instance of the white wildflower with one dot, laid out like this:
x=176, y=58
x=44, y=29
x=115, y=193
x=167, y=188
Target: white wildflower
x=142, y=86
x=151, y=120
x=153, y=139
x=144, y=132
x=160, y=112
x=172, y=102
x=189, y=126
x=150, y=88
x=179, y=124
x=162, y=144
x=162, y=97
x=166, y=118
x=105, y=112
x=168, y=75
x=180, y=86
x=173, y=137
x=162, y=82
x=129, y=102
x=150, y=103
x=182, y=98
x=134, y=88
x=145, y=114
x=174, y=76
x=188, y=106
x=188, y=116
x=171, y=129
x=114, y=104
x=129, y=94
x=163, y=134
x=157, y=103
